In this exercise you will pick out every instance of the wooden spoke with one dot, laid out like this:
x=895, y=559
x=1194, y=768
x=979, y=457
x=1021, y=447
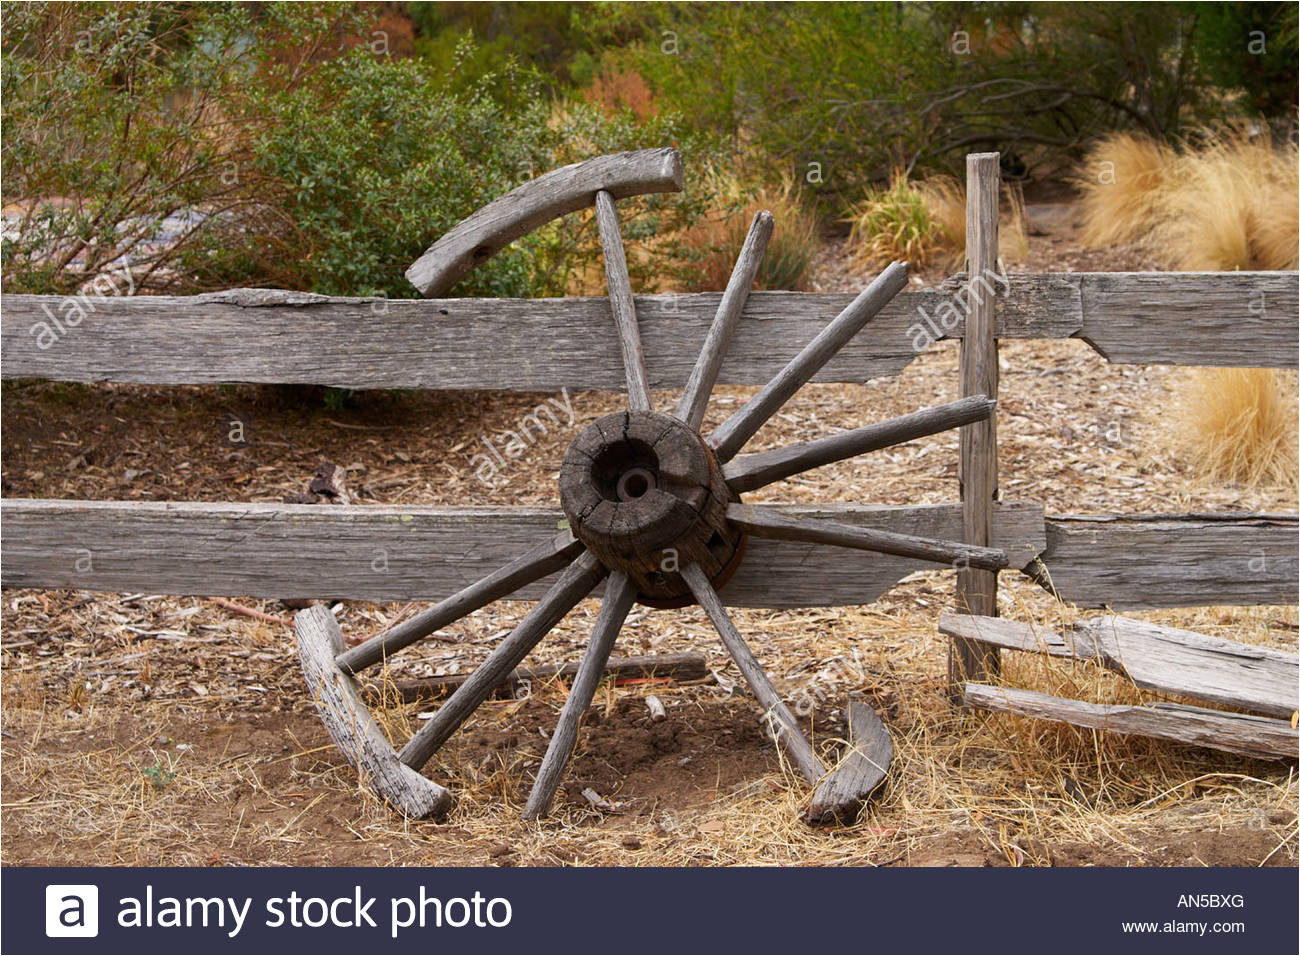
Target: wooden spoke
x=705, y=374
x=620, y=300
x=754, y=471
x=573, y=585
x=619, y=595
x=731, y=435
x=776, y=716
x=547, y=558
x=769, y=523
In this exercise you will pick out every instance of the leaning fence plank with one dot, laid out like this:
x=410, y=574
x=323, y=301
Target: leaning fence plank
x=1135, y=563
x=273, y=550
x=1174, y=660
x=1166, y=659
x=1263, y=737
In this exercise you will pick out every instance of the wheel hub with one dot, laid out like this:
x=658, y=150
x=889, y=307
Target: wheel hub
x=644, y=493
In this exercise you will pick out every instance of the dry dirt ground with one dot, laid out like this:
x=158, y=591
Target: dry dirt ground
x=144, y=730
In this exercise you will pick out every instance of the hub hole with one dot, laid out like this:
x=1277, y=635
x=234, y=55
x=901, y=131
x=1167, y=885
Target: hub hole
x=635, y=483
x=625, y=470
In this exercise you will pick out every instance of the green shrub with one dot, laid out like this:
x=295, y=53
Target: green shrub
x=279, y=148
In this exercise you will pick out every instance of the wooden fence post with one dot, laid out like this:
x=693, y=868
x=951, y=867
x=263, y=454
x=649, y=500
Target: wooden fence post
x=977, y=590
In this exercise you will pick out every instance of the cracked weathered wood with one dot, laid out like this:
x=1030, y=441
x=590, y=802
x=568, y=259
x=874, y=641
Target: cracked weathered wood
x=977, y=474
x=729, y=437
x=621, y=304
x=765, y=522
x=350, y=726
x=1177, y=661
x=862, y=769
x=1135, y=562
x=258, y=550
x=777, y=719
x=489, y=230
x=684, y=666
x=1001, y=632
x=1154, y=657
x=1244, y=319
x=619, y=595
x=573, y=584
x=749, y=472
x=538, y=562
x=704, y=375
x=1262, y=737
x=255, y=335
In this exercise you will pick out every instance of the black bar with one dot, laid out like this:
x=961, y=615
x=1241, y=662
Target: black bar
x=662, y=911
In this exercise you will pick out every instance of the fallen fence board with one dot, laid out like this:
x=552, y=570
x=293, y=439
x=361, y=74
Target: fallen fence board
x=1128, y=562
x=1197, y=665
x=1263, y=737
x=390, y=553
x=1004, y=632
x=1192, y=318
x=1166, y=659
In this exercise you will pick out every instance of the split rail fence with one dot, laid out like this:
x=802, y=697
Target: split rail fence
x=268, y=550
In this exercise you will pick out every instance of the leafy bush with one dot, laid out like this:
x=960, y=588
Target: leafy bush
x=114, y=130
x=861, y=89
x=204, y=146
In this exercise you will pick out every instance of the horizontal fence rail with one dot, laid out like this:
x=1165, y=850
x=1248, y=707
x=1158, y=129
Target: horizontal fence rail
x=389, y=553
x=1137, y=562
x=269, y=336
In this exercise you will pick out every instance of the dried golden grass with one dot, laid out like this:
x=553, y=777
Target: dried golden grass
x=925, y=224
x=1231, y=202
x=1122, y=182
x=1238, y=426
x=716, y=242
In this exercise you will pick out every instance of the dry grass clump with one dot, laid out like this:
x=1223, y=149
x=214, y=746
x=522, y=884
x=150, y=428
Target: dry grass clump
x=1228, y=203
x=1122, y=182
x=925, y=223
x=1238, y=425
x=1232, y=202
x=716, y=241
x=1235, y=204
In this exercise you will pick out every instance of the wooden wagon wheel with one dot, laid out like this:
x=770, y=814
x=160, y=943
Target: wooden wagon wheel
x=653, y=504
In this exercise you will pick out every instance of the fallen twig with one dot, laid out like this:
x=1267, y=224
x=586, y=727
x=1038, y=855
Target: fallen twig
x=251, y=612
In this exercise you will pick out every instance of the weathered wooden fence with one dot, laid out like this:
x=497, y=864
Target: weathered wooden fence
x=276, y=550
